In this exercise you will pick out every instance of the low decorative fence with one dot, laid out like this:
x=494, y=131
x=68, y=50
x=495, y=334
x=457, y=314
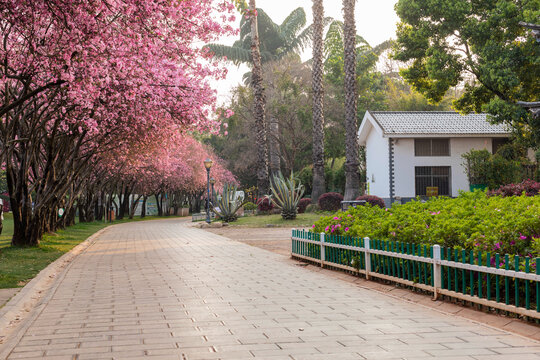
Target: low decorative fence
x=510, y=283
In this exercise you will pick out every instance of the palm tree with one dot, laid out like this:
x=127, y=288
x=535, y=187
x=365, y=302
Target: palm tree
x=352, y=176
x=318, y=102
x=261, y=41
x=260, y=103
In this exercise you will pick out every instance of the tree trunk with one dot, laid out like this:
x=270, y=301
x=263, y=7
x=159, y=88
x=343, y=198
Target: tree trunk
x=352, y=176
x=134, y=204
x=260, y=104
x=275, y=151
x=318, y=186
x=124, y=203
x=143, y=206
x=159, y=203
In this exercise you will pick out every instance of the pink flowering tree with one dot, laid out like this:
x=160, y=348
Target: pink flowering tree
x=83, y=79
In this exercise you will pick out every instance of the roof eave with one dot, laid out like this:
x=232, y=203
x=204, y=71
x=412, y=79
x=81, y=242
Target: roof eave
x=442, y=135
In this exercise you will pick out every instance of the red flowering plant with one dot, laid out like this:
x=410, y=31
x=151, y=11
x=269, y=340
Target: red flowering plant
x=528, y=187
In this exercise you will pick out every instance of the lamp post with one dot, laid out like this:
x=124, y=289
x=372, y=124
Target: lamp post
x=212, y=182
x=208, y=165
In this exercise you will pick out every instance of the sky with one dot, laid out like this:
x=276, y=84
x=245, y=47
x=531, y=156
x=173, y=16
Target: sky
x=375, y=21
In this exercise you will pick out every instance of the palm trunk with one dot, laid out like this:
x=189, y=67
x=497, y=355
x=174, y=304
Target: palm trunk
x=260, y=103
x=318, y=102
x=275, y=153
x=352, y=176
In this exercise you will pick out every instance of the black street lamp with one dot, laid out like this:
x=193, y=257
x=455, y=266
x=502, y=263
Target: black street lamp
x=212, y=182
x=208, y=165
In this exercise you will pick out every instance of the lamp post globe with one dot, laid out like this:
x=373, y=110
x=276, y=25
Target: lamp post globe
x=208, y=165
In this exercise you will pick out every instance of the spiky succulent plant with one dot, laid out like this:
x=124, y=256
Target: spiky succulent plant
x=228, y=204
x=286, y=193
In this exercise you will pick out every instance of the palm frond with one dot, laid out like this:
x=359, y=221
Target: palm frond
x=234, y=54
x=293, y=24
x=246, y=78
x=385, y=45
x=264, y=23
x=300, y=42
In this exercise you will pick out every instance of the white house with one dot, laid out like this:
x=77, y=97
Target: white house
x=411, y=154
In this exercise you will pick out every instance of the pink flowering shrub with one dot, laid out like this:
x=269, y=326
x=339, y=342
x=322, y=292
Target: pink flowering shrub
x=330, y=201
x=303, y=204
x=473, y=221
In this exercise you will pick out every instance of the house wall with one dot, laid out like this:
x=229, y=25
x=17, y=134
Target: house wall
x=405, y=162
x=377, y=164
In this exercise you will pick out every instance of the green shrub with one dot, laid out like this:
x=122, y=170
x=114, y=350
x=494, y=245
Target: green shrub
x=250, y=206
x=505, y=167
x=471, y=221
x=312, y=208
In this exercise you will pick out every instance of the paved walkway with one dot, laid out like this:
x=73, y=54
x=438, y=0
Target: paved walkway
x=162, y=290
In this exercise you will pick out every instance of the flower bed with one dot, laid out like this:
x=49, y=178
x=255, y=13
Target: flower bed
x=472, y=221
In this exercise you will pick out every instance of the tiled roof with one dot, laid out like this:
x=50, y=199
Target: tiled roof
x=436, y=123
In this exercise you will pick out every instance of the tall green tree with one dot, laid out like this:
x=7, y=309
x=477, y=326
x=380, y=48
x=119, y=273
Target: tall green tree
x=287, y=84
x=318, y=101
x=352, y=175
x=479, y=44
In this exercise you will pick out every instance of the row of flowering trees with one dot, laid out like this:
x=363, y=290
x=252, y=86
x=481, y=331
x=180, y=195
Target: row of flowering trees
x=98, y=97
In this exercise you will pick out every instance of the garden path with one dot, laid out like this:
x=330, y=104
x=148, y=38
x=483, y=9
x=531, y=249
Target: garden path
x=165, y=290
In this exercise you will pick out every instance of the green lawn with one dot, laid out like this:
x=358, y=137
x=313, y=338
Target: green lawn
x=302, y=220
x=20, y=265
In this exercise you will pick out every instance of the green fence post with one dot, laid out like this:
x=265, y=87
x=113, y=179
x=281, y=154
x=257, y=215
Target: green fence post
x=471, y=275
x=456, y=259
x=506, y=279
x=488, y=280
x=497, y=285
x=480, y=274
x=537, y=285
x=463, y=280
x=414, y=262
x=527, y=299
x=409, y=262
x=425, y=266
x=516, y=281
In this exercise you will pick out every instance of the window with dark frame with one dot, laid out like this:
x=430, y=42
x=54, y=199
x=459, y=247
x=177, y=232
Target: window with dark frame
x=431, y=147
x=496, y=143
x=432, y=176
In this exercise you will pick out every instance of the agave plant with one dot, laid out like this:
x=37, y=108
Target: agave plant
x=228, y=204
x=286, y=193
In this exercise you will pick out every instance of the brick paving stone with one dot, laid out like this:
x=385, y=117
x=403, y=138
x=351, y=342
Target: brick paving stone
x=165, y=290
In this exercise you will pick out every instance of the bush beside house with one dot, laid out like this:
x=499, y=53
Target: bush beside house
x=472, y=221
